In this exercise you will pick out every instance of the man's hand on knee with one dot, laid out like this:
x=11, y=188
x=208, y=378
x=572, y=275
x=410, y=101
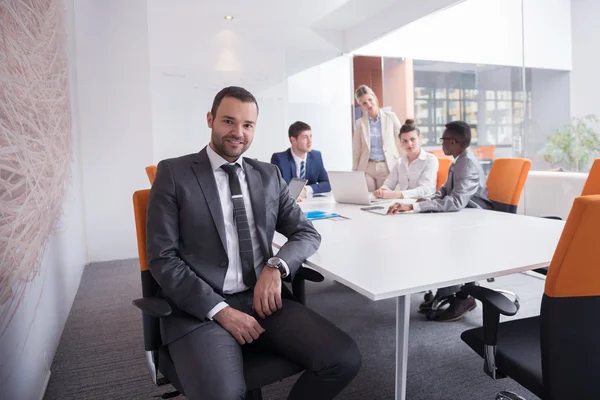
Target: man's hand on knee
x=267, y=292
x=243, y=327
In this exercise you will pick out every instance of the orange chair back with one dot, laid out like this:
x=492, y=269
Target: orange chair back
x=442, y=174
x=575, y=267
x=506, y=181
x=151, y=172
x=140, y=204
x=592, y=184
x=439, y=153
x=485, y=152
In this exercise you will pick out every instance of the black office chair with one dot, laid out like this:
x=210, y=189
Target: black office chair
x=505, y=185
x=260, y=368
x=555, y=355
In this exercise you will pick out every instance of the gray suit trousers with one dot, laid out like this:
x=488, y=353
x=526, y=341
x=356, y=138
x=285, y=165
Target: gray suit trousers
x=209, y=361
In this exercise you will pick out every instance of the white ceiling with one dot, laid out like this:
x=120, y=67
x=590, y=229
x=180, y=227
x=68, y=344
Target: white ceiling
x=320, y=25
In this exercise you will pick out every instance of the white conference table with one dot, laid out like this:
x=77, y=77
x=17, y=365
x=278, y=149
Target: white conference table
x=393, y=256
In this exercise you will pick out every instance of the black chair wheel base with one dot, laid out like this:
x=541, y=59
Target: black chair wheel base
x=509, y=396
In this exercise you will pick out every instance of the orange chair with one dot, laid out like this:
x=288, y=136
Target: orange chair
x=506, y=181
x=439, y=153
x=443, y=170
x=484, y=152
x=260, y=368
x=555, y=355
x=151, y=172
x=592, y=184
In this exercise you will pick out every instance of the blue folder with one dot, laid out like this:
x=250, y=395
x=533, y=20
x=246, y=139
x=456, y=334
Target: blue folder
x=314, y=215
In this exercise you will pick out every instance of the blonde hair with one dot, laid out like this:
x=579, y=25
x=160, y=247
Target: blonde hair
x=362, y=90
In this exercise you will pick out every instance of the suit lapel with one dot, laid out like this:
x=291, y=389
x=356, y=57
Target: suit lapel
x=366, y=130
x=206, y=179
x=292, y=164
x=384, y=120
x=258, y=200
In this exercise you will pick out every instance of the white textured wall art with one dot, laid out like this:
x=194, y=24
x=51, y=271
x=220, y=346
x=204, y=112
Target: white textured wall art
x=35, y=140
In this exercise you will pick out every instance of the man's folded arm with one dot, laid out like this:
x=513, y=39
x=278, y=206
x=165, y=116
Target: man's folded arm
x=188, y=291
x=303, y=238
x=322, y=185
x=466, y=185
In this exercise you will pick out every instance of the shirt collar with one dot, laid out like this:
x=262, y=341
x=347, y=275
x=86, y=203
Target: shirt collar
x=422, y=155
x=298, y=159
x=216, y=161
x=378, y=116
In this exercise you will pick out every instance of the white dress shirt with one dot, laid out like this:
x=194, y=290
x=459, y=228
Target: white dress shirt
x=298, y=160
x=414, y=180
x=234, y=282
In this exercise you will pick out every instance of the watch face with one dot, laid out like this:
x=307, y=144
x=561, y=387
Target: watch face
x=274, y=261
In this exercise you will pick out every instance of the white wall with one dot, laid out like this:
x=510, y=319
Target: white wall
x=190, y=62
x=322, y=97
x=30, y=342
x=113, y=81
x=191, y=59
x=585, y=85
x=486, y=32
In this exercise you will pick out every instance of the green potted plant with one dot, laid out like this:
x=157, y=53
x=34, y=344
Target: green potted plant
x=573, y=146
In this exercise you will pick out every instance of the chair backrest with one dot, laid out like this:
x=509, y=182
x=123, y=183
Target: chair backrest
x=592, y=184
x=442, y=174
x=150, y=287
x=485, y=152
x=506, y=181
x=569, y=323
x=439, y=153
x=151, y=172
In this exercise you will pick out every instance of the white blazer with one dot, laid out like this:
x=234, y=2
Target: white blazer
x=361, y=140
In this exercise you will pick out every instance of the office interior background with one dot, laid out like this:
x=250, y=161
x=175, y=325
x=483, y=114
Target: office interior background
x=142, y=75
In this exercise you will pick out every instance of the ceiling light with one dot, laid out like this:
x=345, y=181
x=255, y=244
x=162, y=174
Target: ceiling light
x=228, y=17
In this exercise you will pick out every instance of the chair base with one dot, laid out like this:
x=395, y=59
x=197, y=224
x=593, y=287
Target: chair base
x=509, y=396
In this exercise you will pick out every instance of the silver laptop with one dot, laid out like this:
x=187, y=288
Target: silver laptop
x=351, y=187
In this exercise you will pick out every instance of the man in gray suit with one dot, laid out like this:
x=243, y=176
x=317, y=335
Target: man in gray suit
x=211, y=220
x=465, y=187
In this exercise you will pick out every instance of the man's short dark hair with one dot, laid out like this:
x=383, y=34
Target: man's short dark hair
x=462, y=130
x=297, y=128
x=237, y=93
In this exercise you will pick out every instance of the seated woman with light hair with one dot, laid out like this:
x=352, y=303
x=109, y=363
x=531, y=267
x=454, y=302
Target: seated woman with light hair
x=415, y=174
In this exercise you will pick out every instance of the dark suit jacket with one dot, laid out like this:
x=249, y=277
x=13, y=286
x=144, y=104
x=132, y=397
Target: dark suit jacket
x=186, y=241
x=315, y=171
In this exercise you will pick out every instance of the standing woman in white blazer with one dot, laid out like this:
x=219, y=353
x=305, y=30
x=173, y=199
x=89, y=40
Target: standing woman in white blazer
x=375, y=143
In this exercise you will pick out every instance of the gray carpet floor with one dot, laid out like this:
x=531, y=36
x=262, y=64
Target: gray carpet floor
x=101, y=356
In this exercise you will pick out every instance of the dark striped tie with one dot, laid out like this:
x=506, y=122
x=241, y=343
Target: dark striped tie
x=241, y=223
x=302, y=170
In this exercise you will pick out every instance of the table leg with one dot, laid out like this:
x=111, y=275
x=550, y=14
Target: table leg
x=402, y=321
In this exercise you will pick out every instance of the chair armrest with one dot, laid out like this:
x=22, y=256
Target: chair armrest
x=550, y=217
x=492, y=299
x=309, y=274
x=494, y=304
x=302, y=275
x=153, y=306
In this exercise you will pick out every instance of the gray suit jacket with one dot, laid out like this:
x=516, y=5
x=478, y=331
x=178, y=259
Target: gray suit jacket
x=186, y=241
x=465, y=187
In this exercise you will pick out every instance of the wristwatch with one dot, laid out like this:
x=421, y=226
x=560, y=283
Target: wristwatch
x=276, y=262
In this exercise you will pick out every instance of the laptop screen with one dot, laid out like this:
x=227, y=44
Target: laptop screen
x=295, y=186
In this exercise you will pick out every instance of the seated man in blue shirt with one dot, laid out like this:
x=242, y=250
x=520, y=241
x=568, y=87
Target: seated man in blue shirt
x=301, y=161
